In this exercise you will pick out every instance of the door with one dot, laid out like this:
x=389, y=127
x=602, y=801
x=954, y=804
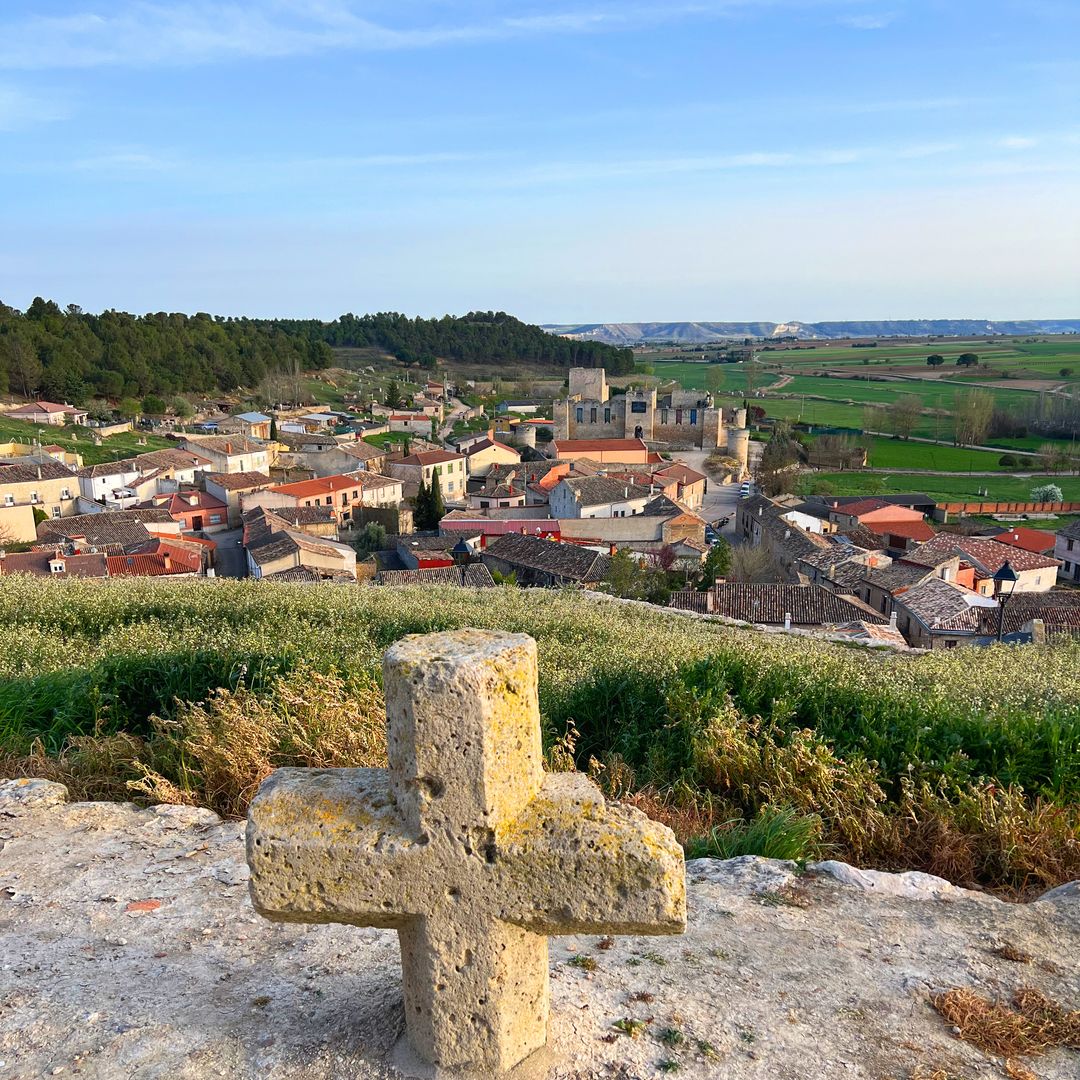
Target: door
x=197, y=522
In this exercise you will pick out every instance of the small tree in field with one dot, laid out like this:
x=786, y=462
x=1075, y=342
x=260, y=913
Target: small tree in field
x=1047, y=493
x=936, y=360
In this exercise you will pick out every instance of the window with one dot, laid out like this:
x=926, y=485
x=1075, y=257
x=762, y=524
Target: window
x=1069, y=545
x=450, y=486
x=693, y=416
x=607, y=415
x=33, y=496
x=484, y=504
x=215, y=519
x=9, y=500
x=56, y=511
x=663, y=416
x=638, y=407
x=592, y=416
x=65, y=493
x=678, y=416
x=580, y=415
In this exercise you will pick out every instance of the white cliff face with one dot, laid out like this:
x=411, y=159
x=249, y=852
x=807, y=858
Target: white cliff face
x=130, y=949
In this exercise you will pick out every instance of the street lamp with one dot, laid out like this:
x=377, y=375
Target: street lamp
x=1004, y=574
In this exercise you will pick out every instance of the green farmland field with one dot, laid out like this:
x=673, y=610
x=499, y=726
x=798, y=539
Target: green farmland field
x=947, y=488
x=899, y=454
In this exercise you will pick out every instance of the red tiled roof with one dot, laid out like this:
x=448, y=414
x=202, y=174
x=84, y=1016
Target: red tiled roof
x=920, y=531
x=864, y=506
x=486, y=443
x=180, y=561
x=430, y=457
x=1033, y=540
x=588, y=446
x=324, y=485
x=990, y=555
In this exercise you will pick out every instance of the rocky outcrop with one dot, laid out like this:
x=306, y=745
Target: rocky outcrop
x=130, y=949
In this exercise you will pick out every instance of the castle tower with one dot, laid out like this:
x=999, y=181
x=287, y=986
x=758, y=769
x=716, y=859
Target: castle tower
x=526, y=435
x=712, y=423
x=738, y=417
x=589, y=384
x=738, y=447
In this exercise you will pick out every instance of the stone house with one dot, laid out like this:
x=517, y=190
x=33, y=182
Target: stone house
x=1035, y=573
x=255, y=425
x=231, y=454
x=1067, y=552
x=342, y=494
x=597, y=497
x=46, y=487
x=938, y=614
x=48, y=412
x=427, y=464
x=230, y=488
x=484, y=454
x=545, y=563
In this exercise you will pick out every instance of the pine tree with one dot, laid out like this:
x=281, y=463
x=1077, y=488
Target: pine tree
x=435, y=502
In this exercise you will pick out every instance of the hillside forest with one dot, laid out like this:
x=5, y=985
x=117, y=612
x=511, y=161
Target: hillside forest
x=67, y=354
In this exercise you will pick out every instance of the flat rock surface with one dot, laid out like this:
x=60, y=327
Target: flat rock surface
x=130, y=949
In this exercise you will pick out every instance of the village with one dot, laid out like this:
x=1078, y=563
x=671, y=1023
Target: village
x=534, y=492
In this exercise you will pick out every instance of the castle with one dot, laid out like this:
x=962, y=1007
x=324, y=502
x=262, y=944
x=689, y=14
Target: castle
x=681, y=418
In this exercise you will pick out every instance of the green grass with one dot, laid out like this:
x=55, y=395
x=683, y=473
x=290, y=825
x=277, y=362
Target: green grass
x=900, y=454
x=898, y=757
x=692, y=376
x=776, y=833
x=944, y=488
x=78, y=440
x=390, y=438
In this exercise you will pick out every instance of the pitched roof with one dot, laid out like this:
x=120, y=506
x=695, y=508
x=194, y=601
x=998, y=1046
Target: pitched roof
x=899, y=576
x=323, y=485
x=168, y=560
x=253, y=417
x=295, y=516
x=1059, y=611
x=1071, y=531
x=487, y=443
x=989, y=555
x=477, y=576
x=598, y=490
x=188, y=502
x=120, y=528
x=940, y=605
x=241, y=481
x=548, y=556
x=27, y=474
x=919, y=531
x=590, y=446
x=45, y=407
x=808, y=605
x=233, y=445
x=1036, y=540
x=37, y=564
x=430, y=457
x=683, y=473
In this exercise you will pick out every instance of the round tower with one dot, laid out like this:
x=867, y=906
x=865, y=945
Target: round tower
x=738, y=417
x=526, y=435
x=738, y=447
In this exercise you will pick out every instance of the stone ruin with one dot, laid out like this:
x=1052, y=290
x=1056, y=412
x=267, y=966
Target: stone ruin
x=466, y=848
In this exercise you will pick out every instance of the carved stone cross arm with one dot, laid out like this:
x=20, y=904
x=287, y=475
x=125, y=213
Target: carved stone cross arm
x=465, y=847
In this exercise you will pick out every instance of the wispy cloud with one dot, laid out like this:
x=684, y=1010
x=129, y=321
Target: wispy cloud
x=869, y=20
x=20, y=110
x=1018, y=142
x=142, y=33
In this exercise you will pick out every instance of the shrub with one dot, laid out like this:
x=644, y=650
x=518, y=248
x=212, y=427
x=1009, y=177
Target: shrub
x=1047, y=493
x=1007, y=461
x=776, y=833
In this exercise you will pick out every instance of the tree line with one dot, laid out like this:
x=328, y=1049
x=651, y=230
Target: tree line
x=67, y=354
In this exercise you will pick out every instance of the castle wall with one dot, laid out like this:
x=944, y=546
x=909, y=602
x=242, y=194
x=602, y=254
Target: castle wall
x=589, y=383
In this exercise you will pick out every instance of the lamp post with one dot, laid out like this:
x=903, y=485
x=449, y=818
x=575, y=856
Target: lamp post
x=1005, y=574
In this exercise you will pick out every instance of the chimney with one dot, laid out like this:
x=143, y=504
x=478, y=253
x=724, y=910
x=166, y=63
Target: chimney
x=228, y=448
x=787, y=620
x=892, y=618
x=167, y=560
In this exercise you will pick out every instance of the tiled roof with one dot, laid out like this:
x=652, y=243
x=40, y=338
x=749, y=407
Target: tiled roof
x=987, y=554
x=863, y=506
x=1059, y=611
x=324, y=485
x=599, y=490
x=241, y=481
x=900, y=575
x=1071, y=531
x=253, y=417
x=190, y=502
x=861, y=537
x=683, y=473
x=1036, y=540
x=920, y=531
x=152, y=515
x=234, y=445
x=37, y=564
x=940, y=605
x=295, y=516
x=43, y=406
x=691, y=600
x=120, y=528
x=477, y=575
x=296, y=574
x=548, y=556
x=430, y=457
x=27, y=474
x=808, y=605
x=487, y=444
x=153, y=564
x=591, y=446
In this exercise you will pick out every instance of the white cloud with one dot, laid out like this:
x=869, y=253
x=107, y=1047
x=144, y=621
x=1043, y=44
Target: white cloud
x=19, y=110
x=869, y=21
x=141, y=33
x=1018, y=142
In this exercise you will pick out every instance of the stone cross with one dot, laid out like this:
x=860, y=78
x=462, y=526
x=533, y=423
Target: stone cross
x=465, y=847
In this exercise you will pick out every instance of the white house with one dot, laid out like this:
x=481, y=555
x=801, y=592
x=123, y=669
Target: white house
x=597, y=497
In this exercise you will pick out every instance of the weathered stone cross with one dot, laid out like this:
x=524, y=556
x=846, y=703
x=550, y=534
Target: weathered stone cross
x=465, y=847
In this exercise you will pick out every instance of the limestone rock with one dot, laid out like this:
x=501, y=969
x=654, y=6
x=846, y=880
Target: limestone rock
x=833, y=982
x=30, y=794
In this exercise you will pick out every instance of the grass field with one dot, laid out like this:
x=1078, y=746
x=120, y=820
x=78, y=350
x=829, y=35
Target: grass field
x=901, y=454
x=389, y=438
x=964, y=763
x=946, y=488
x=692, y=376
x=77, y=440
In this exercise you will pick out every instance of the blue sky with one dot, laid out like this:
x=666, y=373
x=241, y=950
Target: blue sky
x=574, y=160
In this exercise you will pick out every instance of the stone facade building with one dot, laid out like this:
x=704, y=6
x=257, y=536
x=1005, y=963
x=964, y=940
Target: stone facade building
x=681, y=418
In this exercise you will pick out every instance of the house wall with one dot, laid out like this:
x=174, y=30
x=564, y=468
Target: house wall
x=1067, y=549
x=643, y=527
x=56, y=497
x=17, y=522
x=481, y=463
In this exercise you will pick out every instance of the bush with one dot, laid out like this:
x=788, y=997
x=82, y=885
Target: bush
x=1007, y=461
x=776, y=833
x=1050, y=493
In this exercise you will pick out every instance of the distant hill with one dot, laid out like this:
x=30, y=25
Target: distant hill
x=700, y=332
